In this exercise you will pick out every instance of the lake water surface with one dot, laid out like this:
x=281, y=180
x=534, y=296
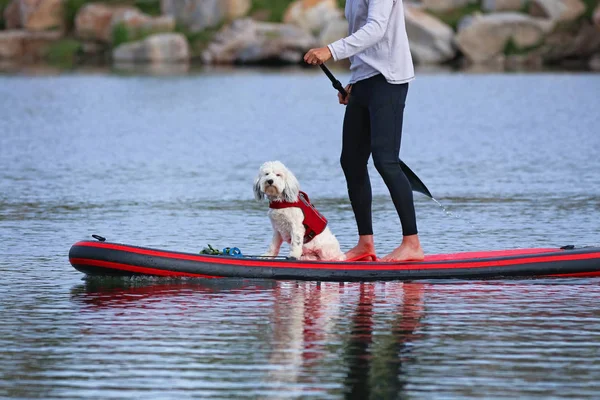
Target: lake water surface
x=169, y=162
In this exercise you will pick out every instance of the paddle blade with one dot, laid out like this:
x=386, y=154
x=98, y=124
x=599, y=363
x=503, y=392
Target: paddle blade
x=416, y=183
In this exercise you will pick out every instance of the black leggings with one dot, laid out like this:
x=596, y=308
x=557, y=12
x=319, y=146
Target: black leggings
x=373, y=125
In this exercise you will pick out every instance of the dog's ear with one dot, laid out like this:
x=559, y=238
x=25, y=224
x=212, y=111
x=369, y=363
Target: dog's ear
x=292, y=187
x=258, y=194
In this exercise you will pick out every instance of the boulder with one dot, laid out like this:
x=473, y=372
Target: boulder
x=516, y=62
x=94, y=21
x=11, y=44
x=138, y=25
x=431, y=40
x=26, y=46
x=578, y=44
x=557, y=10
x=446, y=5
x=158, y=48
x=12, y=15
x=247, y=41
x=197, y=15
x=41, y=15
x=37, y=44
x=486, y=36
x=503, y=5
x=312, y=15
x=97, y=22
x=594, y=63
x=235, y=9
x=334, y=30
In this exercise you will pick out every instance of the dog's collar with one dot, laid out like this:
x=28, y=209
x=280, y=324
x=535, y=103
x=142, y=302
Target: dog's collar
x=314, y=223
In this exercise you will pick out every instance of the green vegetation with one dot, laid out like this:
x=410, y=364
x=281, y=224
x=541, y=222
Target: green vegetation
x=150, y=7
x=198, y=40
x=64, y=53
x=276, y=8
x=590, y=7
x=3, y=4
x=121, y=34
x=512, y=49
x=453, y=17
x=71, y=8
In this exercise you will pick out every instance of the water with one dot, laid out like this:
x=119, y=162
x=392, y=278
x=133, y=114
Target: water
x=169, y=162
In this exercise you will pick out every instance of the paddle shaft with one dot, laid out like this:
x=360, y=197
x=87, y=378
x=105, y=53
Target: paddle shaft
x=336, y=84
x=415, y=182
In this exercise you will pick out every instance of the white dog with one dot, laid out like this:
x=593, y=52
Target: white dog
x=294, y=219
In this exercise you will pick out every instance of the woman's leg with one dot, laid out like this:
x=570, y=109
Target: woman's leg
x=356, y=149
x=386, y=107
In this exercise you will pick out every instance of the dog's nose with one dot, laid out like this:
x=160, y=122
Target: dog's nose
x=270, y=181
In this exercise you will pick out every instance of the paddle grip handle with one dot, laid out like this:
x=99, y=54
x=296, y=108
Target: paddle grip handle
x=340, y=88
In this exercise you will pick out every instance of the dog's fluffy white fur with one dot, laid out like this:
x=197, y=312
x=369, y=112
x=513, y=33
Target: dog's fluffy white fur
x=277, y=183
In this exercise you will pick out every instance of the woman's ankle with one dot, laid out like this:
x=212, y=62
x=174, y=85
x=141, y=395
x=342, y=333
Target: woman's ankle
x=366, y=244
x=411, y=241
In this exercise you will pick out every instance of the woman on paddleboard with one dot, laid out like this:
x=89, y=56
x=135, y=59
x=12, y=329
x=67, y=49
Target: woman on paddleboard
x=381, y=68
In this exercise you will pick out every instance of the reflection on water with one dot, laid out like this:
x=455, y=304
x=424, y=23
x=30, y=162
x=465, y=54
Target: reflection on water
x=266, y=339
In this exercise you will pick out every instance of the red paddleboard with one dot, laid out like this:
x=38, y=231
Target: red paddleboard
x=97, y=258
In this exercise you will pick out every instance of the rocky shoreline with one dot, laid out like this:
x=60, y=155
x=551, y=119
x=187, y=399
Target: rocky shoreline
x=498, y=34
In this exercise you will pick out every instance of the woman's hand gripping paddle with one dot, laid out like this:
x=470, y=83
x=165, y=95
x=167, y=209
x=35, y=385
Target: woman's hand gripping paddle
x=416, y=183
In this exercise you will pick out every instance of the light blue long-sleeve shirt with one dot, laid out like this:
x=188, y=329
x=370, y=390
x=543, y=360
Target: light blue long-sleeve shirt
x=378, y=42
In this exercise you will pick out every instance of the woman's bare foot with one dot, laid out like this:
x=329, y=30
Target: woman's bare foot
x=409, y=250
x=365, y=245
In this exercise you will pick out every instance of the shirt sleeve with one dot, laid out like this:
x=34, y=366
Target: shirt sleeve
x=370, y=33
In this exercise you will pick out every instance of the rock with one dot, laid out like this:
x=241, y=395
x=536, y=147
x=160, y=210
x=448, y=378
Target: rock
x=487, y=35
x=40, y=15
x=431, y=40
x=557, y=10
x=334, y=30
x=197, y=15
x=97, y=22
x=503, y=5
x=11, y=44
x=235, y=9
x=594, y=63
x=158, y=48
x=94, y=21
x=517, y=62
x=250, y=42
x=138, y=25
x=445, y=5
x=12, y=15
x=36, y=44
x=92, y=48
x=26, y=46
x=566, y=44
x=312, y=15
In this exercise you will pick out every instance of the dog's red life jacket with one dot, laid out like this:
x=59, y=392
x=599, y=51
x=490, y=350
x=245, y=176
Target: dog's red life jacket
x=314, y=223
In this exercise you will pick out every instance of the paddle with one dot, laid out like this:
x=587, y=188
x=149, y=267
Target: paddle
x=415, y=182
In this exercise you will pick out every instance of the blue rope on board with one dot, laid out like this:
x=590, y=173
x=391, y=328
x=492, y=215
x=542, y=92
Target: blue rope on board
x=232, y=251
